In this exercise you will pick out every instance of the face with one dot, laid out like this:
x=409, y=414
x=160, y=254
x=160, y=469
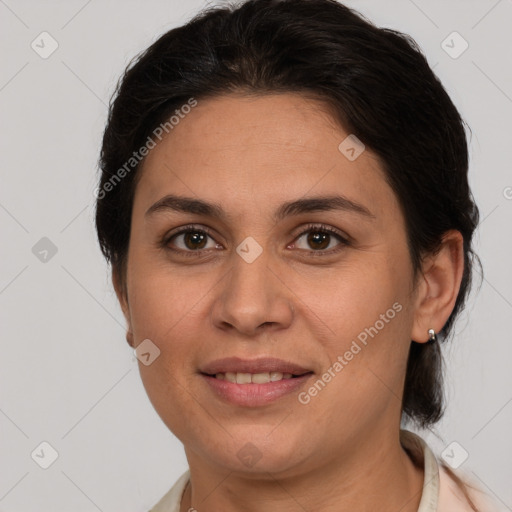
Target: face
x=324, y=287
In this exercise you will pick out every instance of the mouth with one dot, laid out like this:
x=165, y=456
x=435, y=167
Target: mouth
x=252, y=383
x=254, y=378
x=259, y=366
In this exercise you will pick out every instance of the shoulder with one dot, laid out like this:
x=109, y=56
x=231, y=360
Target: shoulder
x=459, y=493
x=171, y=501
x=445, y=489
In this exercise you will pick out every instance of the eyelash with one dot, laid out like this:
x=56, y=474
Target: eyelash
x=320, y=228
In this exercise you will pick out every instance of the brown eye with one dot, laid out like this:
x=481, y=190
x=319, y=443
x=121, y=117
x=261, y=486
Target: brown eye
x=194, y=239
x=189, y=240
x=319, y=239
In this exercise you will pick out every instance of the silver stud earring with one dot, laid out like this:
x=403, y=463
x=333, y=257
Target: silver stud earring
x=432, y=336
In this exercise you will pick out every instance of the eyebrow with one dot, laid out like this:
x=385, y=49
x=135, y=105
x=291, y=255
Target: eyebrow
x=304, y=205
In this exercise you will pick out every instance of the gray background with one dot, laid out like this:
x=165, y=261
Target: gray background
x=67, y=375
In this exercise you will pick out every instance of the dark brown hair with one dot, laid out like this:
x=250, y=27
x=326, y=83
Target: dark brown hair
x=379, y=87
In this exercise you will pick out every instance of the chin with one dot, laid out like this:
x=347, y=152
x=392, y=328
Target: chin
x=257, y=453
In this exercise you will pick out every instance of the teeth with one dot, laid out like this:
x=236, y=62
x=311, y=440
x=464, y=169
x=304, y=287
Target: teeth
x=254, y=378
x=260, y=378
x=230, y=377
x=243, y=378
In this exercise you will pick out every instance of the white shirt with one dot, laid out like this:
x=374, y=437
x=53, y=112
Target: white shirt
x=440, y=492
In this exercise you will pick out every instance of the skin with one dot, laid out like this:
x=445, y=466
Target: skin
x=250, y=154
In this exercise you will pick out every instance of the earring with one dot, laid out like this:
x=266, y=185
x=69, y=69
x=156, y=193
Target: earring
x=432, y=336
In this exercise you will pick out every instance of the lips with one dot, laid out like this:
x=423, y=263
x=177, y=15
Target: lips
x=254, y=382
x=253, y=366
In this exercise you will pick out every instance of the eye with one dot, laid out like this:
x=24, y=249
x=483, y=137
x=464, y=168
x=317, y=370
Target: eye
x=319, y=238
x=190, y=239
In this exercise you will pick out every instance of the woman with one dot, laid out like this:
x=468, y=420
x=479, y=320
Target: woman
x=285, y=205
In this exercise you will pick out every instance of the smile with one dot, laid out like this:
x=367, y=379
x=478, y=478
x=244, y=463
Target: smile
x=244, y=390
x=253, y=378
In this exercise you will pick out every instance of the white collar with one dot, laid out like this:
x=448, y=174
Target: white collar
x=420, y=451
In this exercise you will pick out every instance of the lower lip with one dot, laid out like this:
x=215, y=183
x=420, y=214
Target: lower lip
x=253, y=395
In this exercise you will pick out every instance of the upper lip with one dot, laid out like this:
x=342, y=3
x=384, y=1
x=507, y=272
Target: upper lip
x=261, y=365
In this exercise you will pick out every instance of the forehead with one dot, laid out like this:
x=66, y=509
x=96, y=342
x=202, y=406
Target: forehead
x=245, y=150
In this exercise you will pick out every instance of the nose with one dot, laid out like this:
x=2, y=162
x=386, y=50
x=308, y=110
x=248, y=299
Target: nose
x=252, y=298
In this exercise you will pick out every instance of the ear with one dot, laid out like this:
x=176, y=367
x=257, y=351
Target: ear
x=438, y=286
x=122, y=296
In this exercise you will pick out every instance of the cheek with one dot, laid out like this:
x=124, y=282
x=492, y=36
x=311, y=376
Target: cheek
x=163, y=310
x=366, y=349
x=162, y=298
x=355, y=299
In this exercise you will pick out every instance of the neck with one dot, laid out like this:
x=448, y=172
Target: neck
x=374, y=476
